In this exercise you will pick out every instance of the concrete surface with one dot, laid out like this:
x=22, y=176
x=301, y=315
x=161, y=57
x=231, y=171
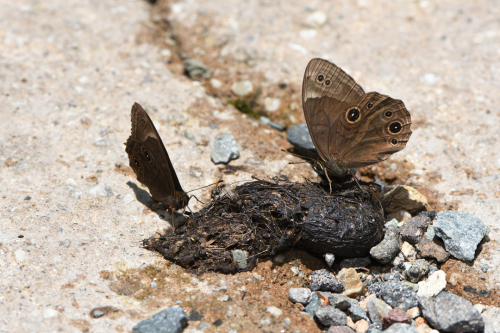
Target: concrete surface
x=71, y=70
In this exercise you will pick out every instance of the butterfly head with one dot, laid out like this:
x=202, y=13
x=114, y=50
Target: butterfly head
x=181, y=200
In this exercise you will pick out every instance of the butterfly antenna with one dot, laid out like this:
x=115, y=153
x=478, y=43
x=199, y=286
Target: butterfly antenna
x=194, y=196
x=199, y=188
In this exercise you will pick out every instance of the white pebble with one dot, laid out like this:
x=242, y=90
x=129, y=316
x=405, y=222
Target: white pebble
x=20, y=255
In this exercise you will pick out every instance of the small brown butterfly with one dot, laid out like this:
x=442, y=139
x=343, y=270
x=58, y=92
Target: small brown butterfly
x=350, y=128
x=150, y=162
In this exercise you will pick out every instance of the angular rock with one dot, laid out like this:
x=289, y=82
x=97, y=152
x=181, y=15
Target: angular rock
x=298, y=135
x=392, y=276
x=396, y=316
x=449, y=312
x=416, y=270
x=267, y=121
x=356, y=312
x=196, y=69
x=433, y=286
x=409, y=251
x=362, y=326
x=355, y=262
x=240, y=257
x=414, y=229
x=328, y=315
x=326, y=281
x=351, y=282
x=461, y=233
x=428, y=248
x=375, y=328
x=414, y=312
x=401, y=328
x=491, y=317
x=300, y=295
x=377, y=309
x=388, y=248
x=403, y=197
x=395, y=293
x=341, y=302
x=313, y=304
x=225, y=149
x=171, y=320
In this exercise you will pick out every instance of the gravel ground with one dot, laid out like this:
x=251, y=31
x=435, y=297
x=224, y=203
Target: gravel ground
x=70, y=72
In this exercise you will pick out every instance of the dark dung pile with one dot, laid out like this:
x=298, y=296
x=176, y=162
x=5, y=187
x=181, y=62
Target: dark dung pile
x=264, y=218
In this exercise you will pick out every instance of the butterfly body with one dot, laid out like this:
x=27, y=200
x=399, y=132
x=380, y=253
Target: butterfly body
x=150, y=161
x=350, y=128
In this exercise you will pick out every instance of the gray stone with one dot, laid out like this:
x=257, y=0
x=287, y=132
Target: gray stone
x=377, y=309
x=395, y=293
x=356, y=312
x=375, y=328
x=225, y=149
x=300, y=295
x=196, y=69
x=313, y=304
x=491, y=317
x=267, y=121
x=416, y=270
x=388, y=248
x=449, y=312
x=401, y=328
x=240, y=257
x=298, y=135
x=341, y=302
x=461, y=233
x=171, y=320
x=329, y=315
x=392, y=276
x=484, y=267
x=326, y=281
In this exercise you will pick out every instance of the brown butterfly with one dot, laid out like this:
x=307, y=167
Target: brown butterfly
x=350, y=128
x=150, y=162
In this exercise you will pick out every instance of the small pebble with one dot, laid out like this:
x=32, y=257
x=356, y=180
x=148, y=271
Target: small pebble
x=242, y=88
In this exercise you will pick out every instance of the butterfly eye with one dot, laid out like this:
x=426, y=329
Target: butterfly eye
x=370, y=105
x=388, y=113
x=148, y=157
x=327, y=82
x=395, y=127
x=321, y=77
x=136, y=162
x=394, y=142
x=353, y=115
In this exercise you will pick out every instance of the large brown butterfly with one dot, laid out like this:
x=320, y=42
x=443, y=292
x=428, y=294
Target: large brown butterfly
x=150, y=162
x=350, y=128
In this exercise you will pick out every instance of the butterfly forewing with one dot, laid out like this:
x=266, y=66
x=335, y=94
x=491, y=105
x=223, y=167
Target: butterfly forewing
x=348, y=127
x=150, y=161
x=326, y=92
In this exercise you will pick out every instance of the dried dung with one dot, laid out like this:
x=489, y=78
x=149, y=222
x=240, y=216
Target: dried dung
x=264, y=218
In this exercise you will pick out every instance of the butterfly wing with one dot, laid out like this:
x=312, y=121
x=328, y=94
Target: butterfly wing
x=326, y=92
x=347, y=125
x=150, y=161
x=383, y=128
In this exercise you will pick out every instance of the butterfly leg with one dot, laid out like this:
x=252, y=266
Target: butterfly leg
x=329, y=180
